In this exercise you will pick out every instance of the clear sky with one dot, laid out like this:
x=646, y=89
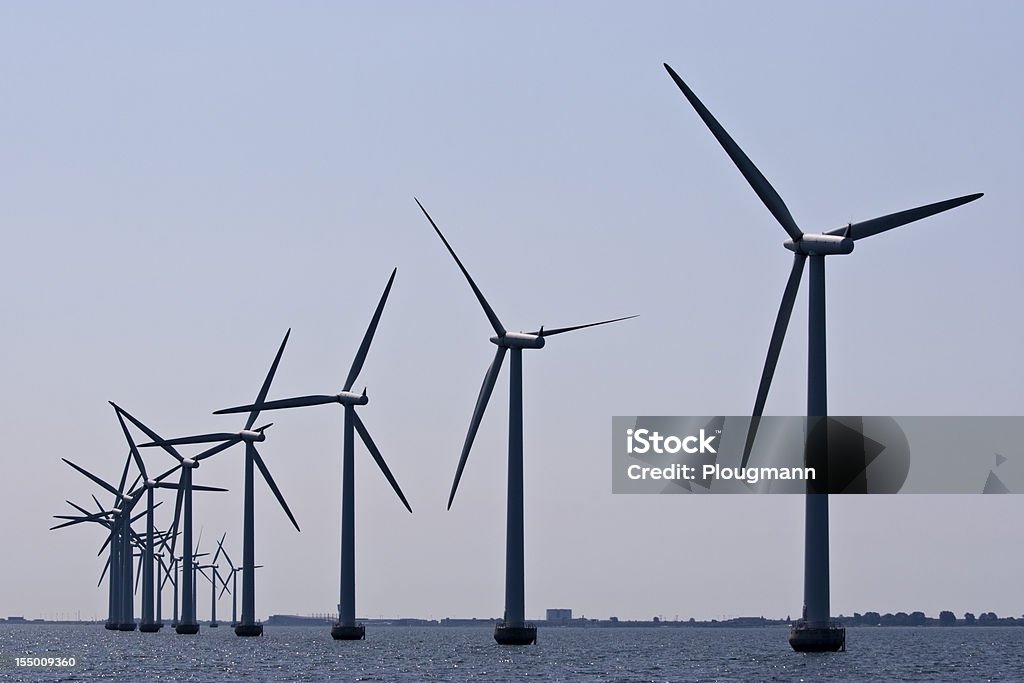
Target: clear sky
x=181, y=184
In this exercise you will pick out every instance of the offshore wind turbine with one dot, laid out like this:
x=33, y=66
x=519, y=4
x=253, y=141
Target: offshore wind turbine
x=116, y=592
x=149, y=623
x=815, y=632
x=119, y=539
x=187, y=624
x=213, y=580
x=513, y=629
x=248, y=626
x=346, y=627
x=234, y=582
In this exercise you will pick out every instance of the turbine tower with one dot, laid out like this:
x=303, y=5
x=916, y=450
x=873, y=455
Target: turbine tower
x=513, y=629
x=346, y=627
x=248, y=626
x=815, y=632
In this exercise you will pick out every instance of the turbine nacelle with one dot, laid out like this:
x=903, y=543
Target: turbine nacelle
x=189, y=463
x=252, y=435
x=519, y=340
x=351, y=398
x=820, y=245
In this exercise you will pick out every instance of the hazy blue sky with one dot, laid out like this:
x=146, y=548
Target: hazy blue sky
x=180, y=184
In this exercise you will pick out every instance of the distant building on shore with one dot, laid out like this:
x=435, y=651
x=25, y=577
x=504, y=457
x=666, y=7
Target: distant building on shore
x=559, y=616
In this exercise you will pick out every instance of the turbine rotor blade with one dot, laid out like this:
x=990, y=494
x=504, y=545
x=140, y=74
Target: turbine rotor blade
x=874, y=226
x=559, y=330
x=273, y=486
x=757, y=181
x=140, y=515
x=149, y=432
x=73, y=521
x=499, y=329
x=96, y=479
x=228, y=558
x=774, y=349
x=364, y=347
x=168, y=473
x=104, y=572
x=218, y=448
x=78, y=507
x=258, y=405
x=197, y=487
x=297, y=402
x=220, y=547
x=131, y=444
x=132, y=489
x=478, y=412
x=199, y=438
x=375, y=452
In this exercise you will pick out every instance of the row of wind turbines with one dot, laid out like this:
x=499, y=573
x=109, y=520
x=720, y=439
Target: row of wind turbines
x=814, y=632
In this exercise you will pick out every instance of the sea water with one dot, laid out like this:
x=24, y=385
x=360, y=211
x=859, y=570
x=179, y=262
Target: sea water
x=393, y=653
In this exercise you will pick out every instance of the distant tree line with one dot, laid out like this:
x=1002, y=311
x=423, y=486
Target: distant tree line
x=946, y=618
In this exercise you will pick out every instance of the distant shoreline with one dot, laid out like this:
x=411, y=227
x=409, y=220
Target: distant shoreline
x=867, y=620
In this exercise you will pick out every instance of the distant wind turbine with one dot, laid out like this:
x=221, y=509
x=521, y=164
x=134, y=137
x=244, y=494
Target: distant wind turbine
x=513, y=629
x=233, y=575
x=815, y=632
x=346, y=628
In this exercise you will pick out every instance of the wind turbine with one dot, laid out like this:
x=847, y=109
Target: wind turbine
x=113, y=524
x=149, y=623
x=513, y=629
x=346, y=627
x=815, y=632
x=120, y=539
x=233, y=575
x=213, y=580
x=187, y=625
x=248, y=626
x=162, y=577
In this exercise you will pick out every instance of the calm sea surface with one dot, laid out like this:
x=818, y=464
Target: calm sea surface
x=562, y=654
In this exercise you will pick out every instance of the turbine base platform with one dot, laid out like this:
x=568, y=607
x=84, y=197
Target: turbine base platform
x=130, y=626
x=515, y=635
x=149, y=628
x=249, y=630
x=805, y=638
x=187, y=629
x=214, y=624
x=110, y=626
x=355, y=632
